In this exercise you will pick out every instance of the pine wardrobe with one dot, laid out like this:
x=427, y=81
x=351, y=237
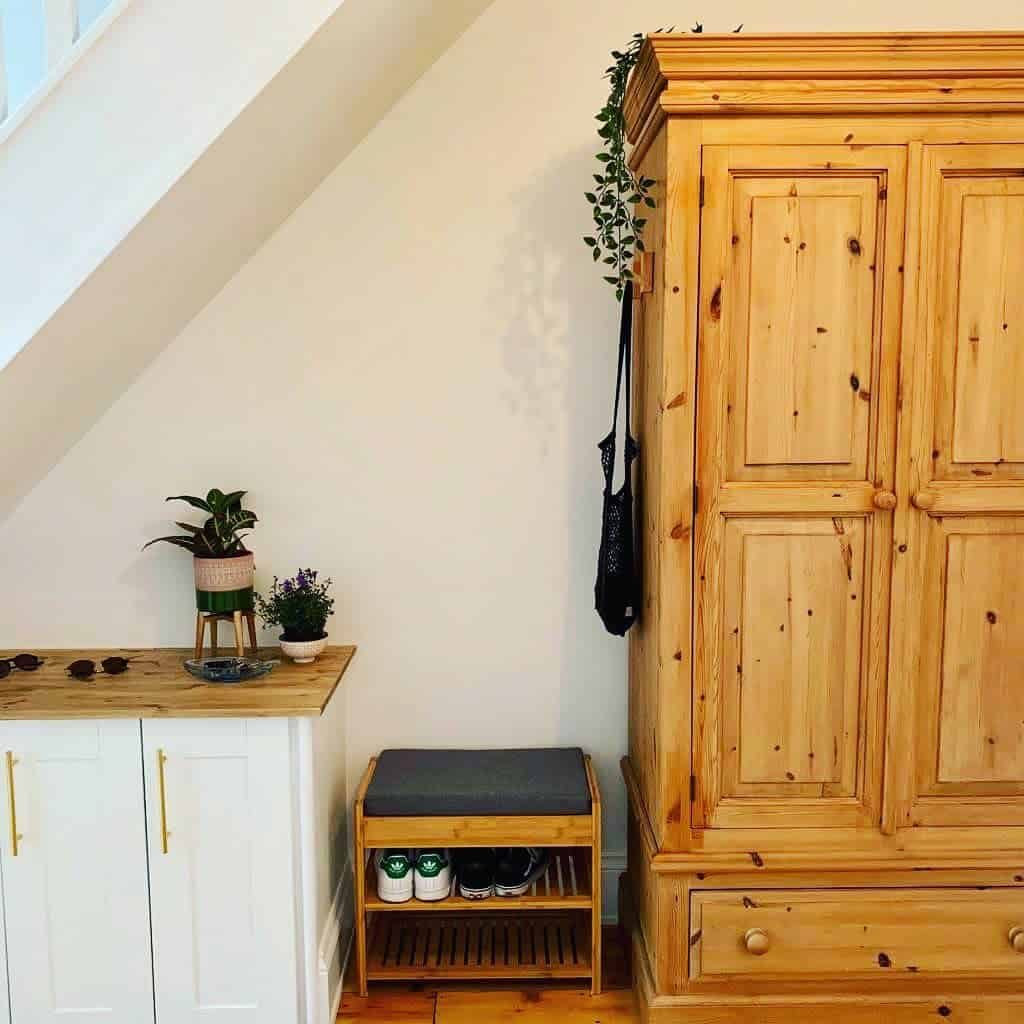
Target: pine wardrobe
x=826, y=750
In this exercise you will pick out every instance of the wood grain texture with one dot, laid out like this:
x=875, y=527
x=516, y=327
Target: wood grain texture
x=156, y=685
x=850, y=933
x=518, y=830
x=839, y=251
x=770, y=351
x=958, y=749
x=555, y=1005
x=768, y=73
x=644, y=700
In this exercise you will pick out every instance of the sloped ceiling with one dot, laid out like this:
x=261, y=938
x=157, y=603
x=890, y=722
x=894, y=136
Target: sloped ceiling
x=306, y=120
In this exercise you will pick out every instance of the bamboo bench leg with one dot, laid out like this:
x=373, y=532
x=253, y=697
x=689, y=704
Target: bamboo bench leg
x=595, y=882
x=359, y=872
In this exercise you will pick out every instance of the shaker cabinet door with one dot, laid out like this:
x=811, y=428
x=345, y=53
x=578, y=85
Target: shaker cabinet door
x=74, y=873
x=956, y=702
x=219, y=799
x=801, y=253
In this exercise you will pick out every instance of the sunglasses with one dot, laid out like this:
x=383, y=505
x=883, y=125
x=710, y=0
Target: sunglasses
x=85, y=669
x=25, y=662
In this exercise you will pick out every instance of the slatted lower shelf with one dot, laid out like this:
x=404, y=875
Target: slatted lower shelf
x=463, y=946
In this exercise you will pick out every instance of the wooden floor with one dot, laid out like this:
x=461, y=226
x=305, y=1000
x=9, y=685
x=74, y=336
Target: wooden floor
x=501, y=1002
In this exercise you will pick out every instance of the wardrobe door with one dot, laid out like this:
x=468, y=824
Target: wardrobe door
x=219, y=797
x=74, y=872
x=957, y=713
x=800, y=300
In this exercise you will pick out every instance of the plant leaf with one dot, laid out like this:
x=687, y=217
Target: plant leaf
x=194, y=502
x=182, y=542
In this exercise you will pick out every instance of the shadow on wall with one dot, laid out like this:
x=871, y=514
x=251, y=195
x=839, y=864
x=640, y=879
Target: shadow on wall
x=560, y=352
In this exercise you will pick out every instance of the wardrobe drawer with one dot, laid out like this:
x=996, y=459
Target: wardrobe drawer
x=856, y=933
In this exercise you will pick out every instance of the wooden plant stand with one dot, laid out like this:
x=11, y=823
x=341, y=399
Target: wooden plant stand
x=553, y=931
x=212, y=618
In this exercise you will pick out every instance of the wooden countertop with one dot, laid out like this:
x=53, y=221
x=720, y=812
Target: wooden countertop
x=156, y=685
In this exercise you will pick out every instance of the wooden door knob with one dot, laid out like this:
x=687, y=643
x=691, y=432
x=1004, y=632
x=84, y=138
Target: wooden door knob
x=1017, y=938
x=757, y=941
x=923, y=500
x=885, y=500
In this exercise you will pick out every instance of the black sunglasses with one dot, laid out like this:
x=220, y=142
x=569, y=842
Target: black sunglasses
x=85, y=669
x=25, y=662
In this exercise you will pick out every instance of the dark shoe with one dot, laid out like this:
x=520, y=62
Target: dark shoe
x=475, y=871
x=518, y=868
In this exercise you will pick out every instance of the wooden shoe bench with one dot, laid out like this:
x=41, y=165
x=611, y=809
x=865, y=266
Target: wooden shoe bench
x=552, y=931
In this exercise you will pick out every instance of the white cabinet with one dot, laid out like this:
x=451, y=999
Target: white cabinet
x=74, y=872
x=176, y=870
x=219, y=800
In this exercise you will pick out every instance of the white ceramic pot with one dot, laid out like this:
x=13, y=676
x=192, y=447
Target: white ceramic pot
x=303, y=652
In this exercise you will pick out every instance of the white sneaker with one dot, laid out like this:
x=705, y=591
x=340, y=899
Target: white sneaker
x=394, y=875
x=433, y=875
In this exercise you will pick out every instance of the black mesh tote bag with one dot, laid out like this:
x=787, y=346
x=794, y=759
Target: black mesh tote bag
x=617, y=591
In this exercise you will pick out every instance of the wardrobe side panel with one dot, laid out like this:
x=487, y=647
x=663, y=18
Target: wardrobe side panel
x=647, y=363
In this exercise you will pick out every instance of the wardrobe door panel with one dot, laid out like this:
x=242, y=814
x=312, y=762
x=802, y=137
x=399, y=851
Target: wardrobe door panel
x=800, y=368
x=794, y=635
x=800, y=284
x=958, y=712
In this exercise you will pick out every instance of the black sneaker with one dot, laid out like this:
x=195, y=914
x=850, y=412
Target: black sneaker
x=474, y=869
x=518, y=868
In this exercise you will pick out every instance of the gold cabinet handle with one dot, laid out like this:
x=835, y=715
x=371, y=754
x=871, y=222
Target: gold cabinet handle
x=884, y=500
x=161, y=760
x=1017, y=938
x=757, y=941
x=12, y=803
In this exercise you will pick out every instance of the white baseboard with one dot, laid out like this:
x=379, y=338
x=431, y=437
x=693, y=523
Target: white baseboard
x=335, y=947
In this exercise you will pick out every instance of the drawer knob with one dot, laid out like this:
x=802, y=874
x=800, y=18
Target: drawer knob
x=758, y=943
x=1017, y=938
x=884, y=500
x=923, y=500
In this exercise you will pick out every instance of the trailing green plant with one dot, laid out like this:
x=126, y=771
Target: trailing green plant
x=619, y=195
x=618, y=192
x=221, y=535
x=300, y=606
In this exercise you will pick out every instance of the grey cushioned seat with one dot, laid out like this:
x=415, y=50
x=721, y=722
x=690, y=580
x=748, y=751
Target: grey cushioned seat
x=431, y=783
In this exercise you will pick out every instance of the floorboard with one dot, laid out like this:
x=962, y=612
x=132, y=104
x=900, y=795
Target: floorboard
x=565, y=1006
x=500, y=1002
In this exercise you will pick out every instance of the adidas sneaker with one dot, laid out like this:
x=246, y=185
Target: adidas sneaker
x=433, y=875
x=394, y=875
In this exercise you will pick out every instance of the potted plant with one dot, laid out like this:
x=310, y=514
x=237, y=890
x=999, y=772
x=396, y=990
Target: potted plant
x=224, y=568
x=301, y=607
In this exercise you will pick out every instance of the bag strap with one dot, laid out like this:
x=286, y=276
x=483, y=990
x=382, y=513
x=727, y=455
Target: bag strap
x=625, y=360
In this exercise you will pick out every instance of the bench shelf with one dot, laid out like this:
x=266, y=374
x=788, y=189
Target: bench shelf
x=566, y=885
x=552, y=931
x=459, y=947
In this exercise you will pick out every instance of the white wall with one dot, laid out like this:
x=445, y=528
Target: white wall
x=106, y=144
x=411, y=377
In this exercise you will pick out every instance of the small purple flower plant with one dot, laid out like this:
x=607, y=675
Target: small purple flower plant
x=300, y=605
